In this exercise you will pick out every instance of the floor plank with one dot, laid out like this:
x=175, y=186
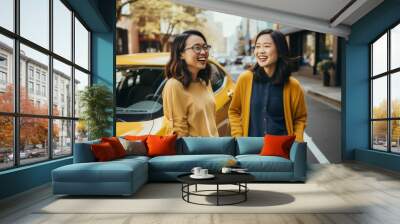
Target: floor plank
x=377, y=190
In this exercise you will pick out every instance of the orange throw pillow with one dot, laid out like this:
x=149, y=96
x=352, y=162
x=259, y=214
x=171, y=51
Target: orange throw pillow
x=116, y=145
x=103, y=152
x=161, y=145
x=277, y=145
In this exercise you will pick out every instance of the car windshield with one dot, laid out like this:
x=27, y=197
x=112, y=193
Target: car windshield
x=138, y=92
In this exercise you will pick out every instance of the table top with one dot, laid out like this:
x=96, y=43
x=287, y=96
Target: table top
x=220, y=178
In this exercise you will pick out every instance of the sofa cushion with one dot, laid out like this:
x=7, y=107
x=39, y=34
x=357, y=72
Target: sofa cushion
x=103, y=152
x=130, y=158
x=112, y=171
x=257, y=163
x=142, y=138
x=83, y=153
x=206, y=145
x=277, y=145
x=136, y=147
x=185, y=163
x=161, y=145
x=249, y=145
x=116, y=145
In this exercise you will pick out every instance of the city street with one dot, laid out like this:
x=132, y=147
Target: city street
x=324, y=129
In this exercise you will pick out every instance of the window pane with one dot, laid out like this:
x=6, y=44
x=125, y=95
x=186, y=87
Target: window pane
x=217, y=77
x=7, y=14
x=379, y=135
x=34, y=80
x=379, y=56
x=395, y=136
x=395, y=47
x=395, y=94
x=81, y=81
x=35, y=21
x=81, y=131
x=62, y=29
x=6, y=142
x=6, y=74
x=81, y=45
x=62, y=138
x=379, y=97
x=62, y=89
x=33, y=139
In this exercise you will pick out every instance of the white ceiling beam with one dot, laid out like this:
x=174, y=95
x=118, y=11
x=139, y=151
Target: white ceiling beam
x=270, y=15
x=348, y=12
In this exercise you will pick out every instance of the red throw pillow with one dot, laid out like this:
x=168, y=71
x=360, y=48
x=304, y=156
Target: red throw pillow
x=277, y=145
x=161, y=145
x=116, y=145
x=103, y=152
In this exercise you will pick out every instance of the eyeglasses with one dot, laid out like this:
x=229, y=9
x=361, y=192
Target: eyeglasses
x=197, y=48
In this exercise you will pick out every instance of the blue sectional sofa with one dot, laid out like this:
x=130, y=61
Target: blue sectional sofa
x=125, y=176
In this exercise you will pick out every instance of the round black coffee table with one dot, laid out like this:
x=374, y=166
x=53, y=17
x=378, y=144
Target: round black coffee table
x=238, y=179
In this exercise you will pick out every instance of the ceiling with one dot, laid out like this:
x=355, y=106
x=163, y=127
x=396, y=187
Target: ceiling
x=325, y=16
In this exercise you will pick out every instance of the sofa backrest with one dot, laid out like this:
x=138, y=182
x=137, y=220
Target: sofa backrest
x=206, y=145
x=249, y=145
x=83, y=153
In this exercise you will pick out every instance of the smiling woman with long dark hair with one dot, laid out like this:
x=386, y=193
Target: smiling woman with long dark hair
x=267, y=100
x=188, y=100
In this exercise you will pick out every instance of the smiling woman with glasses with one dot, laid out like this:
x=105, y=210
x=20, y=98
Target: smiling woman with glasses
x=188, y=99
x=197, y=48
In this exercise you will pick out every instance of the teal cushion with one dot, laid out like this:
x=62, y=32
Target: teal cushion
x=133, y=157
x=83, y=152
x=257, y=163
x=185, y=163
x=249, y=145
x=206, y=145
x=111, y=171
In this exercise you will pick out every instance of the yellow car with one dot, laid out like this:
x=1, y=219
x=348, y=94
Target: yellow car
x=140, y=80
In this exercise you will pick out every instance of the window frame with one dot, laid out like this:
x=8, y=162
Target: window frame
x=388, y=74
x=16, y=114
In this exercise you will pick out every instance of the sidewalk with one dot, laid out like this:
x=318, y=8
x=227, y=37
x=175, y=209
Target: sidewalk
x=315, y=87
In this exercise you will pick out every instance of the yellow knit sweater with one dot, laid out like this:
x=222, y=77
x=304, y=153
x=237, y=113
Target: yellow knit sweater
x=191, y=111
x=295, y=110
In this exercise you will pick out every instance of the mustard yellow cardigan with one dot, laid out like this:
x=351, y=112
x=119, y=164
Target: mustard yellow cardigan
x=294, y=105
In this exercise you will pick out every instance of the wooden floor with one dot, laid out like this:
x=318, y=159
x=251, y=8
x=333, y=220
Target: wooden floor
x=377, y=188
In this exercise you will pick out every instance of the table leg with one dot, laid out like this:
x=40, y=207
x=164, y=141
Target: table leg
x=196, y=188
x=217, y=194
x=245, y=193
x=182, y=190
x=188, y=190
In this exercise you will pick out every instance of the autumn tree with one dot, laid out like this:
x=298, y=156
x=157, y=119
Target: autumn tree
x=33, y=130
x=161, y=18
x=6, y=122
x=380, y=127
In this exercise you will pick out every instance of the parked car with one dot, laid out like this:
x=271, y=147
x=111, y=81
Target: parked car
x=25, y=154
x=248, y=62
x=235, y=71
x=238, y=60
x=140, y=81
x=222, y=61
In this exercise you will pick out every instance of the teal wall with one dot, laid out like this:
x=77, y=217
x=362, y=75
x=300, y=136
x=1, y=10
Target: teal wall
x=24, y=178
x=356, y=86
x=99, y=16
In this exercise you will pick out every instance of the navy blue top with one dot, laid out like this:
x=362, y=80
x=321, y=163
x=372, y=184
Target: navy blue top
x=266, y=107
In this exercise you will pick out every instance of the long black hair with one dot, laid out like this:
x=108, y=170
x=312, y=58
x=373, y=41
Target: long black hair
x=284, y=63
x=177, y=67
